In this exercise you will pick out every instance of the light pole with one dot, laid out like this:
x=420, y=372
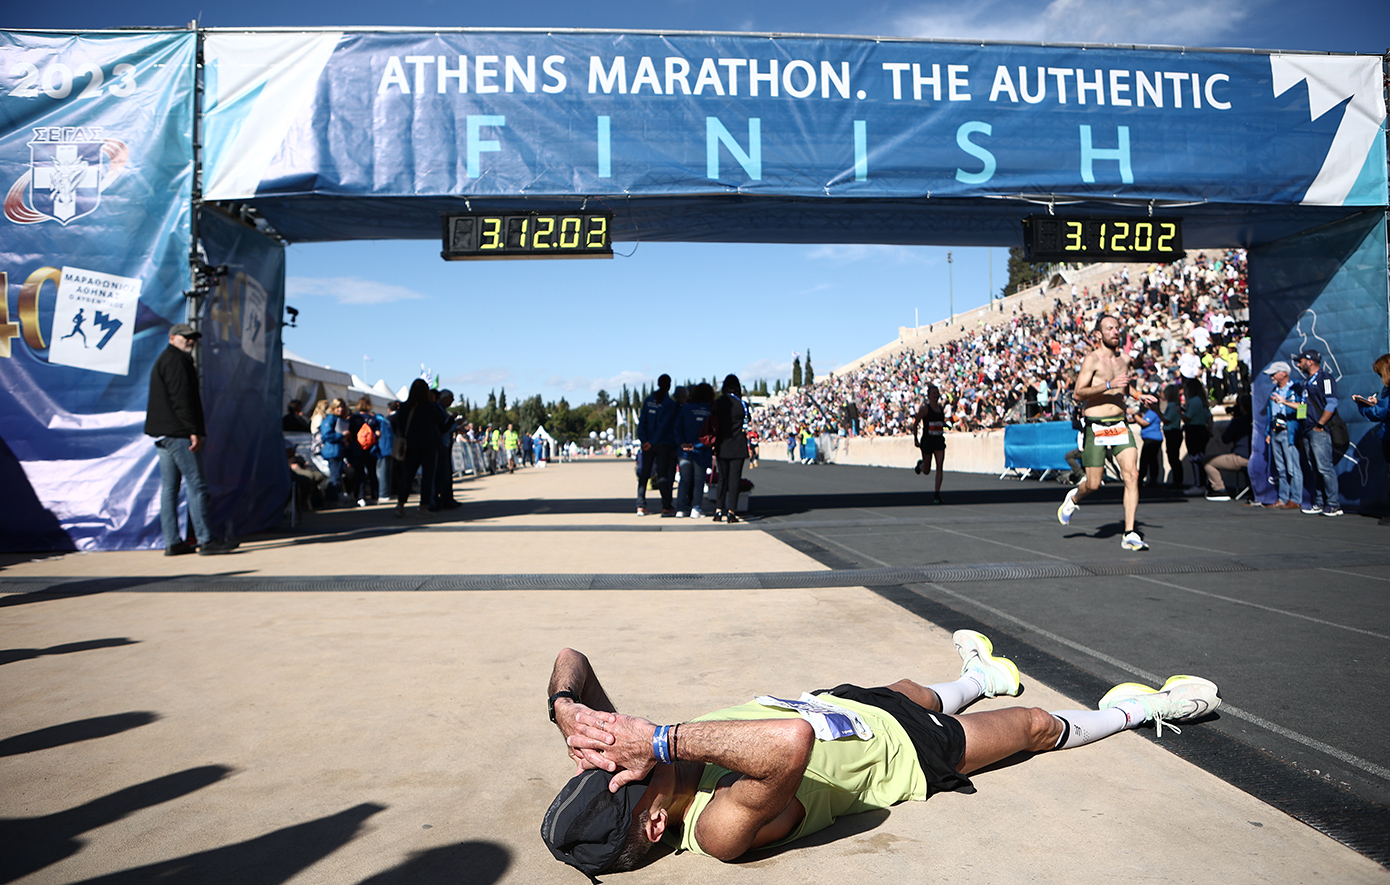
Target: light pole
x=951, y=286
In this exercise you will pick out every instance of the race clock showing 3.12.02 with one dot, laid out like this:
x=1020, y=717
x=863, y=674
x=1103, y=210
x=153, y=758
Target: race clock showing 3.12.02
x=527, y=235
x=1100, y=238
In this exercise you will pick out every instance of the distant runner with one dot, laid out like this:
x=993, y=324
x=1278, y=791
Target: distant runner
x=932, y=441
x=1101, y=387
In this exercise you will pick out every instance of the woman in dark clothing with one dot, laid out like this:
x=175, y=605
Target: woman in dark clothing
x=363, y=460
x=1172, y=433
x=421, y=423
x=1196, y=429
x=730, y=447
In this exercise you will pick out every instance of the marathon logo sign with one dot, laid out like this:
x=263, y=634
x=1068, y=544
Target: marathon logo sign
x=96, y=313
x=69, y=167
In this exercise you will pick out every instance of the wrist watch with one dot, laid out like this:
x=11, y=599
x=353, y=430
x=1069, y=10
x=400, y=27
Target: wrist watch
x=550, y=704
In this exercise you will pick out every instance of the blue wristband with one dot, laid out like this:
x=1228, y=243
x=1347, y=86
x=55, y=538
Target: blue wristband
x=661, y=744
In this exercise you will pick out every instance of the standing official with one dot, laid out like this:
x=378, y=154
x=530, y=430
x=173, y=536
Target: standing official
x=174, y=417
x=1320, y=394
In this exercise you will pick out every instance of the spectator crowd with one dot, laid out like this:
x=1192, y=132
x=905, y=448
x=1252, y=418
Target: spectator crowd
x=1185, y=320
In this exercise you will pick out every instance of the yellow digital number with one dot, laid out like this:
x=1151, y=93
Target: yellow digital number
x=541, y=240
x=1143, y=236
x=1169, y=233
x=599, y=230
x=525, y=228
x=492, y=234
x=569, y=231
x=1117, y=241
x=1073, y=237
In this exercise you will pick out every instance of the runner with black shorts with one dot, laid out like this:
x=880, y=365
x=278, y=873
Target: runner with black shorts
x=932, y=442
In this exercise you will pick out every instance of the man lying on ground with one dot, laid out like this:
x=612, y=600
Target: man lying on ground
x=771, y=771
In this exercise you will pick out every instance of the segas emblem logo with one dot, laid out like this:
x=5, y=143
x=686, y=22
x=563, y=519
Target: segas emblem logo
x=69, y=167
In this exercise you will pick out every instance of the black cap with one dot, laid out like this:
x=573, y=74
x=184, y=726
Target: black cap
x=1308, y=354
x=586, y=826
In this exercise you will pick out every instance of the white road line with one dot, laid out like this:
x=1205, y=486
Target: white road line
x=1337, y=571
x=1155, y=679
x=1277, y=611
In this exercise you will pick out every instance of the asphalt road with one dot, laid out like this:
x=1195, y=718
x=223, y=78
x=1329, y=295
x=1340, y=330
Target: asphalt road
x=1289, y=614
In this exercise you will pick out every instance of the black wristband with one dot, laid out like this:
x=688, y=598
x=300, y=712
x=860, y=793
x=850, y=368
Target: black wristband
x=550, y=704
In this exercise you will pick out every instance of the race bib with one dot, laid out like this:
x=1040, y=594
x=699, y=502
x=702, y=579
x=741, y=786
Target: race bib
x=1110, y=434
x=830, y=722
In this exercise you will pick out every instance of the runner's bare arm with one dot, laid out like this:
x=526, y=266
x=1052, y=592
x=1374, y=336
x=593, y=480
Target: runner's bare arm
x=770, y=754
x=572, y=672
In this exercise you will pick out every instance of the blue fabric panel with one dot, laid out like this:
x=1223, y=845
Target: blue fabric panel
x=1039, y=446
x=96, y=159
x=1326, y=290
x=242, y=373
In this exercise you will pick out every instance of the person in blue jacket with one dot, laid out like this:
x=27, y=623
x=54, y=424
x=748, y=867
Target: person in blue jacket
x=333, y=435
x=656, y=430
x=385, y=464
x=694, y=456
x=1377, y=408
x=1281, y=437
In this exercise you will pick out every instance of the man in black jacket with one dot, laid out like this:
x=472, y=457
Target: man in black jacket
x=174, y=418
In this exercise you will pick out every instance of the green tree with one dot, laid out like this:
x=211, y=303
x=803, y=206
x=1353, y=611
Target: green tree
x=602, y=399
x=1022, y=272
x=490, y=410
x=530, y=414
x=810, y=372
x=796, y=371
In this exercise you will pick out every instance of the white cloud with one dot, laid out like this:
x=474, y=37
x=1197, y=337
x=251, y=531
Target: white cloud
x=1164, y=22
x=771, y=370
x=853, y=253
x=491, y=376
x=349, y=290
x=613, y=384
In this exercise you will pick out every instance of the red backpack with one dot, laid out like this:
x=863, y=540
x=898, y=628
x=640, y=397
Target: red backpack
x=366, y=435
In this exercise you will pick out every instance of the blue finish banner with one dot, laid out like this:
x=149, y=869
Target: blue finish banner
x=243, y=375
x=96, y=166
x=547, y=114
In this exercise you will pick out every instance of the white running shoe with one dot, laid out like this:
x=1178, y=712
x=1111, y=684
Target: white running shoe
x=1134, y=541
x=977, y=653
x=1312, y=509
x=1180, y=699
x=1336, y=512
x=695, y=513
x=680, y=514
x=1068, y=507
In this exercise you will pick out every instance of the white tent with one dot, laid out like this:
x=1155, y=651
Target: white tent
x=309, y=382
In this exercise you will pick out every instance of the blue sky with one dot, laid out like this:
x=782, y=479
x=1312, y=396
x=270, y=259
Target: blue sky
x=382, y=309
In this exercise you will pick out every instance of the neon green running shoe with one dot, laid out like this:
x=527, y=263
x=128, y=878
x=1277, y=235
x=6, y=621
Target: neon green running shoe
x=977, y=653
x=1182, y=698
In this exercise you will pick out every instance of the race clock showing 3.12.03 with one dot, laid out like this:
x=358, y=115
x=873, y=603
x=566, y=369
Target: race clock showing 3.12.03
x=527, y=235
x=1101, y=238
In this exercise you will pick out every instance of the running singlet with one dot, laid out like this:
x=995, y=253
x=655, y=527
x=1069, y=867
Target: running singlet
x=936, y=422
x=846, y=776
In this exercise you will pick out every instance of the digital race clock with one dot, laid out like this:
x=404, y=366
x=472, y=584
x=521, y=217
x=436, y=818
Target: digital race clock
x=1141, y=238
x=527, y=235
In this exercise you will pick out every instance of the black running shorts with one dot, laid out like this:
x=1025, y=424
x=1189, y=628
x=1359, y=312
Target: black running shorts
x=938, y=738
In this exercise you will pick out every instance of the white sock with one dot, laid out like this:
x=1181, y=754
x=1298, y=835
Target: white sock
x=1084, y=726
x=969, y=688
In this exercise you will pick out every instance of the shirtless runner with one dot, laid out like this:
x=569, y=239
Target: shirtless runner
x=1101, y=387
